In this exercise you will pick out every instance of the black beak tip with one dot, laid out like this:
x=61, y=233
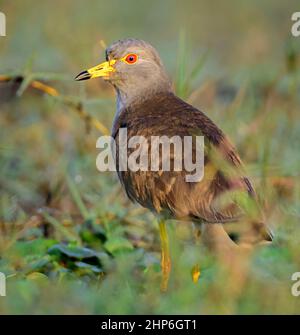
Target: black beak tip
x=84, y=75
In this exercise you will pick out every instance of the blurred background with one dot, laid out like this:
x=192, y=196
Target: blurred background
x=70, y=241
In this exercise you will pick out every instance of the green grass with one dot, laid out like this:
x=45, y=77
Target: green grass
x=70, y=241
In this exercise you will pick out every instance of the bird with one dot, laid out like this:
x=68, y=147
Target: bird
x=146, y=105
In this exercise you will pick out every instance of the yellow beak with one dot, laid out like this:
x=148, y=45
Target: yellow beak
x=102, y=70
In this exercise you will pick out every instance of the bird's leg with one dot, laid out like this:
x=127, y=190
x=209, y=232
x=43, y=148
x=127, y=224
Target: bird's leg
x=196, y=268
x=165, y=255
x=196, y=273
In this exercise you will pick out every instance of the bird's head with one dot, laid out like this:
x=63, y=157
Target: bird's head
x=133, y=67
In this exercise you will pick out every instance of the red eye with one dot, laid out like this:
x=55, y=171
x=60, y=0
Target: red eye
x=131, y=58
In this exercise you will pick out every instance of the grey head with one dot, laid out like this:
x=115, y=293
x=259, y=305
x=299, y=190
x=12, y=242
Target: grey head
x=134, y=68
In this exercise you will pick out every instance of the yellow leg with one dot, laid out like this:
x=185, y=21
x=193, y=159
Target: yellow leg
x=165, y=256
x=196, y=268
x=196, y=273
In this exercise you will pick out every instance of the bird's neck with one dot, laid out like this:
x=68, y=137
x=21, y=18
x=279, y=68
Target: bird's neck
x=128, y=97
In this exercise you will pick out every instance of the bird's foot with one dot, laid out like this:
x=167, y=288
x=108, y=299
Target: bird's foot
x=196, y=273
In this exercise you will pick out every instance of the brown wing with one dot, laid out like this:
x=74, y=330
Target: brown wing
x=216, y=197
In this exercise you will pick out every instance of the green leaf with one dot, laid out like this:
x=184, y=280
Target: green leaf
x=35, y=247
x=118, y=244
x=86, y=266
x=72, y=251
